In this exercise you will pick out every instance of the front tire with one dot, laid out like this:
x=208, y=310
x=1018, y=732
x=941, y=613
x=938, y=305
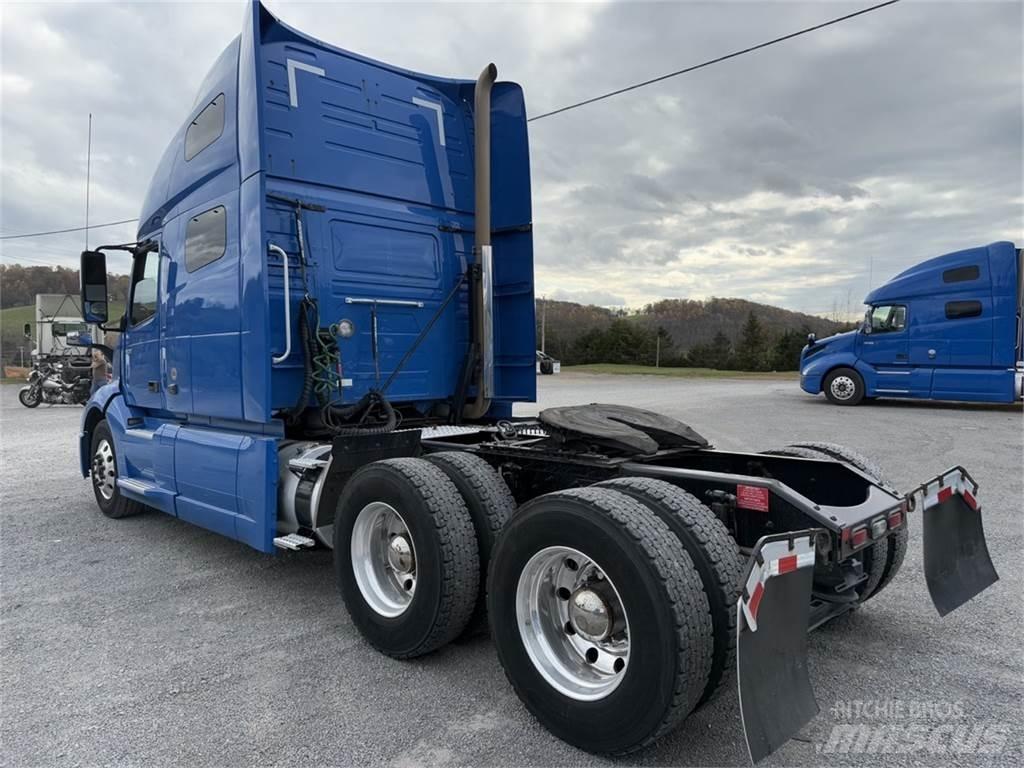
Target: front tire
x=600, y=619
x=405, y=556
x=26, y=398
x=104, y=476
x=844, y=386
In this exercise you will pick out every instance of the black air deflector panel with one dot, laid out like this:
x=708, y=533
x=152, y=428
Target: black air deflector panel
x=621, y=427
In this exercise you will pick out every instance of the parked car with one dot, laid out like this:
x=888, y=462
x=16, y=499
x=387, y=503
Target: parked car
x=546, y=364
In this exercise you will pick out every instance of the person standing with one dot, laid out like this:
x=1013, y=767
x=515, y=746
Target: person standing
x=99, y=371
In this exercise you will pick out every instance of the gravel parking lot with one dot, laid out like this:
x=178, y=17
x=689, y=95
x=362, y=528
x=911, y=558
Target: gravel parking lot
x=148, y=641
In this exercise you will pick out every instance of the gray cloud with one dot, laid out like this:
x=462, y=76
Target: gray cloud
x=788, y=175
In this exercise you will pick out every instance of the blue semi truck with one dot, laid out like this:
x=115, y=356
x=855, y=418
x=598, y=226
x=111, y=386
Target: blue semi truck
x=949, y=328
x=330, y=319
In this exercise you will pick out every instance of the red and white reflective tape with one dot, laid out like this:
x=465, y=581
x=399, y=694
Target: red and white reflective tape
x=778, y=559
x=951, y=483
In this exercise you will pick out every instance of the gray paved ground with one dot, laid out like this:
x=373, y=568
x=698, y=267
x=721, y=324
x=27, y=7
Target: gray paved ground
x=148, y=641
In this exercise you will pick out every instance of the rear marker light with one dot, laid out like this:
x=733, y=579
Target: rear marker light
x=859, y=537
x=895, y=519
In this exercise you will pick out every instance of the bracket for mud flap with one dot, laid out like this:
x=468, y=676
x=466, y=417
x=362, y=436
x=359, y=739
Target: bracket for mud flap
x=957, y=565
x=776, y=698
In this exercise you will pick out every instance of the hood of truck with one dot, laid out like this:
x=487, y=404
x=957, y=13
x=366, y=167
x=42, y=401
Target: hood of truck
x=834, y=343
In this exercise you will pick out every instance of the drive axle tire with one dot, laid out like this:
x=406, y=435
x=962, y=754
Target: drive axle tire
x=405, y=556
x=26, y=399
x=883, y=559
x=599, y=618
x=715, y=555
x=844, y=386
x=103, y=464
x=490, y=506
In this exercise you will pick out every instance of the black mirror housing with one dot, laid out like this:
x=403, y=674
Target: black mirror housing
x=811, y=338
x=93, y=276
x=27, y=330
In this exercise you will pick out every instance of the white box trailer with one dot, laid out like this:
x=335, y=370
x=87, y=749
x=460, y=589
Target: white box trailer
x=57, y=315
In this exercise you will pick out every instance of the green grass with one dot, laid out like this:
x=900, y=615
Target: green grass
x=13, y=318
x=678, y=373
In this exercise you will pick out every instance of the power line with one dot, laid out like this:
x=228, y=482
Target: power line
x=718, y=60
x=70, y=229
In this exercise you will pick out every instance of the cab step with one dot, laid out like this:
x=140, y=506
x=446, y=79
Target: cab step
x=294, y=542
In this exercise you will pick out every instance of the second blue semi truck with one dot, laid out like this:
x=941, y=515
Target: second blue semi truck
x=949, y=328
x=329, y=321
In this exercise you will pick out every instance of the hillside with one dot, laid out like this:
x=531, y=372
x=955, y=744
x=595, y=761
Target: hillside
x=684, y=323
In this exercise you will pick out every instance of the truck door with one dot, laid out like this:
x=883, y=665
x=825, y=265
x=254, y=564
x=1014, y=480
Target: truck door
x=141, y=374
x=885, y=346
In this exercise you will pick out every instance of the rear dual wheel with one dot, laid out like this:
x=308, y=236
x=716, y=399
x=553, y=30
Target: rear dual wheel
x=600, y=619
x=412, y=538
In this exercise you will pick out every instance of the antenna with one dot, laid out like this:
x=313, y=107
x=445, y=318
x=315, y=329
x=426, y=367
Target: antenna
x=88, y=168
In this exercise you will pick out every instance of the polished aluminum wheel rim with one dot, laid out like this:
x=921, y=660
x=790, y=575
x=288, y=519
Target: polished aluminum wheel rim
x=104, y=470
x=842, y=387
x=383, y=559
x=573, y=623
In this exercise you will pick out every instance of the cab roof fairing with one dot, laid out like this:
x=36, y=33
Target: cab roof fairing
x=161, y=199
x=922, y=279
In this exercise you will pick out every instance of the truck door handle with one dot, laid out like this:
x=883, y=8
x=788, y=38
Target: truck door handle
x=172, y=389
x=931, y=354
x=153, y=386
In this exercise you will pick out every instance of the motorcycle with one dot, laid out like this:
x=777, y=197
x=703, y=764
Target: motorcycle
x=67, y=383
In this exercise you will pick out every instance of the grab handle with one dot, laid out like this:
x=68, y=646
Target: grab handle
x=287, y=306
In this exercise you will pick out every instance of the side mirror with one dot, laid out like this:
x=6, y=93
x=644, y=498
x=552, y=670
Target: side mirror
x=27, y=330
x=811, y=338
x=93, y=275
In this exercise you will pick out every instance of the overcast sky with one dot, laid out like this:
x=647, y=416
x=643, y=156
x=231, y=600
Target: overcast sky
x=797, y=175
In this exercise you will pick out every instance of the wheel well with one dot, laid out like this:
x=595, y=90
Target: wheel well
x=92, y=418
x=836, y=367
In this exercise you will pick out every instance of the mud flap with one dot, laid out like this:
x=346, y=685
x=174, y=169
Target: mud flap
x=957, y=565
x=775, y=694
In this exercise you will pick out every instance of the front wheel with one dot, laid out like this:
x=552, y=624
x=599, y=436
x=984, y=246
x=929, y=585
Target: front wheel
x=29, y=397
x=844, y=386
x=104, y=476
x=600, y=619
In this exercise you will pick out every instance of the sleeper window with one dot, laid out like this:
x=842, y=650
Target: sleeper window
x=206, y=237
x=206, y=128
x=956, y=310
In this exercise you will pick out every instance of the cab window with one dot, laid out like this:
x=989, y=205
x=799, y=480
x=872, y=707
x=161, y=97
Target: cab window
x=888, y=318
x=144, y=276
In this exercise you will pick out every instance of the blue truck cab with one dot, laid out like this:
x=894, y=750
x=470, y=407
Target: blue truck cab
x=305, y=249
x=949, y=328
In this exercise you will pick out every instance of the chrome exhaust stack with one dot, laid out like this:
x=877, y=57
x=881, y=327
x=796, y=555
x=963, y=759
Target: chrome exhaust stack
x=483, y=298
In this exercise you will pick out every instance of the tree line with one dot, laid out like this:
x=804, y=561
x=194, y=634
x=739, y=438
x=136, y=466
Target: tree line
x=625, y=342
x=20, y=284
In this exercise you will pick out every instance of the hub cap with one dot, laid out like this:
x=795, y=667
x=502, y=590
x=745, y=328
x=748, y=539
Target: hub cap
x=383, y=559
x=843, y=387
x=104, y=470
x=573, y=624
